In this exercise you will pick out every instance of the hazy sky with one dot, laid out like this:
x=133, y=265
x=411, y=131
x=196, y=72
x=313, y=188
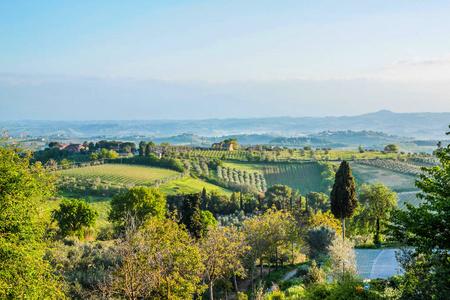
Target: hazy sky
x=201, y=59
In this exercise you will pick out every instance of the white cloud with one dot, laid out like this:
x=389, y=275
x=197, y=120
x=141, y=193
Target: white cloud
x=416, y=69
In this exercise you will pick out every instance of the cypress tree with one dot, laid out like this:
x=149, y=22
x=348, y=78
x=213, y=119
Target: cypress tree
x=204, y=203
x=343, y=195
x=241, y=199
x=148, y=149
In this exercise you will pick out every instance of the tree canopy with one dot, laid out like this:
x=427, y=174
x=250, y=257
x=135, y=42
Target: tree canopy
x=24, y=274
x=140, y=202
x=426, y=227
x=74, y=214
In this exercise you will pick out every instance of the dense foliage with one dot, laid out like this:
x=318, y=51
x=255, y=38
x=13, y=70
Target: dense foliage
x=74, y=214
x=23, y=189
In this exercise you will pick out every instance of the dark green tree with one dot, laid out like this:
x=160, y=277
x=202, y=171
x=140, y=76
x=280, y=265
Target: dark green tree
x=318, y=201
x=204, y=202
x=278, y=195
x=234, y=202
x=142, y=147
x=24, y=188
x=148, y=149
x=343, y=195
x=139, y=202
x=74, y=214
x=195, y=220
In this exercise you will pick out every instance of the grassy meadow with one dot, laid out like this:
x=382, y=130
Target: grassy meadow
x=190, y=185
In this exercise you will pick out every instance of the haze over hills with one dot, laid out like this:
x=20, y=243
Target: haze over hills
x=426, y=126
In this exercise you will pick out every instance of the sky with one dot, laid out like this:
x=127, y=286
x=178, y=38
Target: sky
x=83, y=60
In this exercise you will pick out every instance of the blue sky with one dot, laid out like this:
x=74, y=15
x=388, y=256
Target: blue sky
x=270, y=58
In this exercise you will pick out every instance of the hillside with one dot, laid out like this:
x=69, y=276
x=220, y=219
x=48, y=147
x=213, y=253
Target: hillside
x=418, y=125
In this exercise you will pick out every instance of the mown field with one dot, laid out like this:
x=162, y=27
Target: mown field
x=399, y=182
x=190, y=185
x=115, y=173
x=304, y=177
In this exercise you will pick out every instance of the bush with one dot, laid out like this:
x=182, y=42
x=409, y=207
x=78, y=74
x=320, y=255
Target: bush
x=302, y=270
x=315, y=276
x=241, y=296
x=275, y=295
x=319, y=240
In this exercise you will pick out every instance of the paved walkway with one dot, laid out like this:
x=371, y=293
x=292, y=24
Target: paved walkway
x=385, y=265
x=377, y=263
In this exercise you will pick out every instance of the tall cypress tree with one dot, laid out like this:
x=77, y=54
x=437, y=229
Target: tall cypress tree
x=343, y=195
x=204, y=204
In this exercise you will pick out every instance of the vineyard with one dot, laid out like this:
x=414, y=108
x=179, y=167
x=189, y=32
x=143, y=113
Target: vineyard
x=394, y=165
x=303, y=177
x=118, y=174
x=399, y=182
x=408, y=197
x=294, y=155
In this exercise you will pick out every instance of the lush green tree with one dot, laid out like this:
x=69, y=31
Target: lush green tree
x=196, y=220
x=54, y=144
x=24, y=188
x=141, y=202
x=158, y=260
x=278, y=195
x=148, y=149
x=223, y=250
x=377, y=201
x=91, y=146
x=318, y=201
x=343, y=195
x=142, y=146
x=426, y=226
x=391, y=148
x=74, y=214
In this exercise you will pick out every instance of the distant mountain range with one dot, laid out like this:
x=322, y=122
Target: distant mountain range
x=424, y=126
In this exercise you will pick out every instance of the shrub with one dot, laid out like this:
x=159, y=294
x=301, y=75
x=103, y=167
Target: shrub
x=319, y=240
x=315, y=275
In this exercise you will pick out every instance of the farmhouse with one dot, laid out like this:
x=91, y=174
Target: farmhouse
x=73, y=147
x=222, y=146
x=158, y=153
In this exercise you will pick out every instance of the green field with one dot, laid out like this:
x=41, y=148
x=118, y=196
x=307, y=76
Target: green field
x=249, y=167
x=408, y=197
x=115, y=173
x=190, y=185
x=399, y=182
